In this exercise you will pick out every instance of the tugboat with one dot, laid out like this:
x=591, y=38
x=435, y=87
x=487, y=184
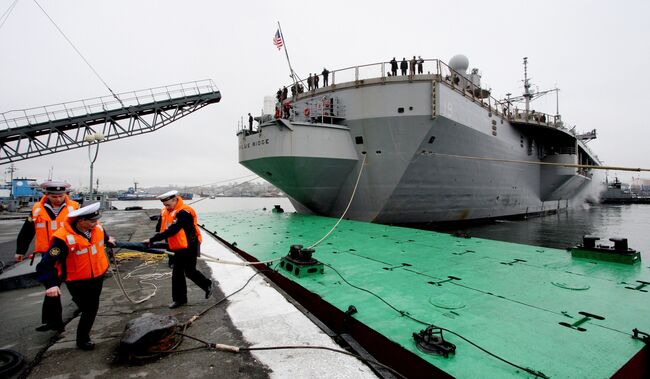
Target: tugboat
x=622, y=193
x=134, y=194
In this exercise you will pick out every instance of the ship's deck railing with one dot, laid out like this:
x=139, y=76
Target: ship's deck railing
x=564, y=150
x=534, y=117
x=442, y=73
x=544, y=119
x=61, y=111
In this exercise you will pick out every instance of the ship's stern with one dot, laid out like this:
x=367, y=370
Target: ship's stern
x=309, y=162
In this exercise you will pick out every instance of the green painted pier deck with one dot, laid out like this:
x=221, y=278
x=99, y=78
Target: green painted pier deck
x=515, y=301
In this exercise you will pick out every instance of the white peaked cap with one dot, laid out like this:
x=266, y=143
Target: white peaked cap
x=89, y=211
x=55, y=188
x=167, y=195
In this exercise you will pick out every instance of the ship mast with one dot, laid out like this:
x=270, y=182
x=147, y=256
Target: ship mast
x=530, y=95
x=284, y=43
x=527, y=95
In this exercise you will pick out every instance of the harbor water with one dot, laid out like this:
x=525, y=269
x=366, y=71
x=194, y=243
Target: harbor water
x=218, y=204
x=556, y=231
x=566, y=228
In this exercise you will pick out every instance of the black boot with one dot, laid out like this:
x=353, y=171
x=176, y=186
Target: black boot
x=87, y=345
x=176, y=304
x=209, y=291
x=46, y=327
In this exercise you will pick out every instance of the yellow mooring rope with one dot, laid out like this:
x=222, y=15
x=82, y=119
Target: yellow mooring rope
x=595, y=167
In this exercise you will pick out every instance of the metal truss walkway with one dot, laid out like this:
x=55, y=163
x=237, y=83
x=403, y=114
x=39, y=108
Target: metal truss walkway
x=54, y=128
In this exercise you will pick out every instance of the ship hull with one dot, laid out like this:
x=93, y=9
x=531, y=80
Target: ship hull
x=440, y=158
x=313, y=183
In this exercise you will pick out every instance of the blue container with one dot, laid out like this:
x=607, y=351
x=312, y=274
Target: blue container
x=25, y=188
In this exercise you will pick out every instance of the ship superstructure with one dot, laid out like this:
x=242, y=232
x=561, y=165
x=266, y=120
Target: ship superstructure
x=437, y=146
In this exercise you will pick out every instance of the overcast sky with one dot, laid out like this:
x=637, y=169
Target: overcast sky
x=596, y=52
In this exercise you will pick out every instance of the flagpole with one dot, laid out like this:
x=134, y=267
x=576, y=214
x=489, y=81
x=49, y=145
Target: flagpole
x=284, y=42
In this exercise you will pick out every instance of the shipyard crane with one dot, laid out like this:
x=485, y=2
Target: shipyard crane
x=54, y=128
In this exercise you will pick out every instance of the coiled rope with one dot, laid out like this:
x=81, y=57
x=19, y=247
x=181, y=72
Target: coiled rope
x=143, y=279
x=149, y=278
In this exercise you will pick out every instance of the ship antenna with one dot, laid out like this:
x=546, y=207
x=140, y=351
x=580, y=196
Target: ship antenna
x=527, y=94
x=284, y=42
x=557, y=101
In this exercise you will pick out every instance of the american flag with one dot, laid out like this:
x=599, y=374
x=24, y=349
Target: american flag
x=277, y=40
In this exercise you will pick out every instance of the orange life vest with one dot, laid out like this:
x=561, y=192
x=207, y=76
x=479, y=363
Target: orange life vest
x=45, y=226
x=179, y=240
x=86, y=259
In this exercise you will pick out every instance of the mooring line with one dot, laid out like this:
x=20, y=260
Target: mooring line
x=573, y=165
x=354, y=191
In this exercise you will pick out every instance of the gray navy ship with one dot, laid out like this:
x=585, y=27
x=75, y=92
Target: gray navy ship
x=622, y=193
x=416, y=148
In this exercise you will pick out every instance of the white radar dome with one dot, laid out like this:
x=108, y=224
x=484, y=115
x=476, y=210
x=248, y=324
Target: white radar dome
x=459, y=63
x=269, y=105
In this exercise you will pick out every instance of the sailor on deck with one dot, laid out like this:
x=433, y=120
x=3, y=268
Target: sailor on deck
x=77, y=257
x=403, y=66
x=393, y=66
x=326, y=74
x=47, y=216
x=179, y=226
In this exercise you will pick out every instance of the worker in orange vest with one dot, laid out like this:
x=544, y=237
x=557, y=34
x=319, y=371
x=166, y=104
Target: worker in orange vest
x=77, y=257
x=179, y=226
x=47, y=216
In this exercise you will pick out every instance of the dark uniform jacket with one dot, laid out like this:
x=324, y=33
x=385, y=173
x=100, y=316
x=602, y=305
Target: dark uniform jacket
x=47, y=270
x=28, y=231
x=185, y=222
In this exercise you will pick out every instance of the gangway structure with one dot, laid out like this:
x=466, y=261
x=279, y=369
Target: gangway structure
x=54, y=128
